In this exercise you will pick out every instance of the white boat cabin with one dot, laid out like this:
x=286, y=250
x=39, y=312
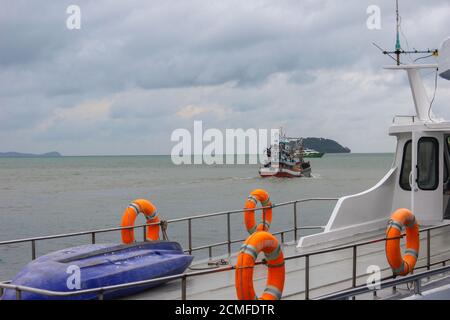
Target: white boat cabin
x=419, y=178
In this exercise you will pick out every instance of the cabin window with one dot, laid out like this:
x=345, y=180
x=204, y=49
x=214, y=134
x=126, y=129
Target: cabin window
x=446, y=159
x=406, y=167
x=428, y=163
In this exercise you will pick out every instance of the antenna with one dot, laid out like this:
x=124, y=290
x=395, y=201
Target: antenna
x=398, y=48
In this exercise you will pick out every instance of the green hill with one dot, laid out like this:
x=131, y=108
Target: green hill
x=324, y=145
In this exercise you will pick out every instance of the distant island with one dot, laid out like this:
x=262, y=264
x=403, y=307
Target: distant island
x=324, y=145
x=53, y=154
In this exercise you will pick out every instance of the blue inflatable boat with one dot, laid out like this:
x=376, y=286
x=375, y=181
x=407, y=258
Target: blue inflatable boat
x=99, y=265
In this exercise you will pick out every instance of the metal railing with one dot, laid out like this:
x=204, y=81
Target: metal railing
x=409, y=117
x=414, y=278
x=184, y=276
x=190, y=248
x=229, y=241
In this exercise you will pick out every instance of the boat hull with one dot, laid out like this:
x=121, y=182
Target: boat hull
x=100, y=265
x=314, y=155
x=284, y=173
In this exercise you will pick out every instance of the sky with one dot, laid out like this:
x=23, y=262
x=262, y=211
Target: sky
x=137, y=70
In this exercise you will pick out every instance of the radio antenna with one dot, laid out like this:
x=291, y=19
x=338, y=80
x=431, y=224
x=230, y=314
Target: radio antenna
x=398, y=48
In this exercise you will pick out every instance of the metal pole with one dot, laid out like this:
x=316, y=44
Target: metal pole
x=354, y=267
x=307, y=277
x=229, y=233
x=101, y=295
x=394, y=288
x=183, y=287
x=282, y=237
x=18, y=294
x=93, y=237
x=295, y=221
x=33, y=249
x=210, y=252
x=190, y=235
x=144, y=233
x=428, y=249
x=417, y=287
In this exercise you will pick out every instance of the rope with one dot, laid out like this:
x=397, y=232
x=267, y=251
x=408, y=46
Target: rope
x=212, y=265
x=164, y=224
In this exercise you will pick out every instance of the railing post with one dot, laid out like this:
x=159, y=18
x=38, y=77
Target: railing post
x=282, y=237
x=1, y=291
x=417, y=287
x=428, y=249
x=190, y=235
x=183, y=287
x=18, y=294
x=144, y=233
x=93, y=238
x=307, y=277
x=295, y=221
x=229, y=233
x=101, y=295
x=33, y=249
x=354, y=267
x=210, y=252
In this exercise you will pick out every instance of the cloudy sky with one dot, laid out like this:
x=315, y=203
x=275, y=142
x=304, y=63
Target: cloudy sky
x=137, y=70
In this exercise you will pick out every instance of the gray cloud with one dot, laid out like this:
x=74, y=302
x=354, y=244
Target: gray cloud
x=121, y=80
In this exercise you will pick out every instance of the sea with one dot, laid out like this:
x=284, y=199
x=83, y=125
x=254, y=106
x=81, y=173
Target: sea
x=47, y=196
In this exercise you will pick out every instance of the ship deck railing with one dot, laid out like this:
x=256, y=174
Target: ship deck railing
x=184, y=276
x=189, y=220
x=416, y=279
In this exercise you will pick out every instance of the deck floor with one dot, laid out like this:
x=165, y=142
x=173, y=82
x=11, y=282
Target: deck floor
x=330, y=272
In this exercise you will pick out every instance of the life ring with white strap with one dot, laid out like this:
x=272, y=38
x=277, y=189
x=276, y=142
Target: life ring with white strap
x=260, y=241
x=129, y=217
x=402, y=219
x=262, y=196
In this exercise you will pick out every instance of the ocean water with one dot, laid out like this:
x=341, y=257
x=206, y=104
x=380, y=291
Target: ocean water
x=43, y=196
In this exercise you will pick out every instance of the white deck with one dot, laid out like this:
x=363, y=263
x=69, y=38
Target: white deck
x=329, y=272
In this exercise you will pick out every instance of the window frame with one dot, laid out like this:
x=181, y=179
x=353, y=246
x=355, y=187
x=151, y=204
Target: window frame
x=436, y=154
x=405, y=147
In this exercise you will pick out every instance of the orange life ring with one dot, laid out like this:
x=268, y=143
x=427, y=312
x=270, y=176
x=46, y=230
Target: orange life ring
x=249, y=215
x=129, y=217
x=400, y=219
x=255, y=243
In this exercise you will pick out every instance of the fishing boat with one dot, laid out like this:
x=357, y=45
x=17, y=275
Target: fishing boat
x=285, y=159
x=310, y=153
x=349, y=256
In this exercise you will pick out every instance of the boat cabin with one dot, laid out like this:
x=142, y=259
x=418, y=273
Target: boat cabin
x=419, y=178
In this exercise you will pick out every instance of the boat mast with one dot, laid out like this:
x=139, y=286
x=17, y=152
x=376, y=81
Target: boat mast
x=398, y=48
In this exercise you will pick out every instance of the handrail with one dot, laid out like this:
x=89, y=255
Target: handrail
x=184, y=276
x=386, y=284
x=208, y=215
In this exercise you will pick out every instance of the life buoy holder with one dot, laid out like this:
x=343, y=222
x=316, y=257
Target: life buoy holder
x=129, y=217
x=255, y=243
x=249, y=215
x=402, y=219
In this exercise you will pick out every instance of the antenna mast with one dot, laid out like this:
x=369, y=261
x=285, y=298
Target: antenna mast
x=398, y=48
